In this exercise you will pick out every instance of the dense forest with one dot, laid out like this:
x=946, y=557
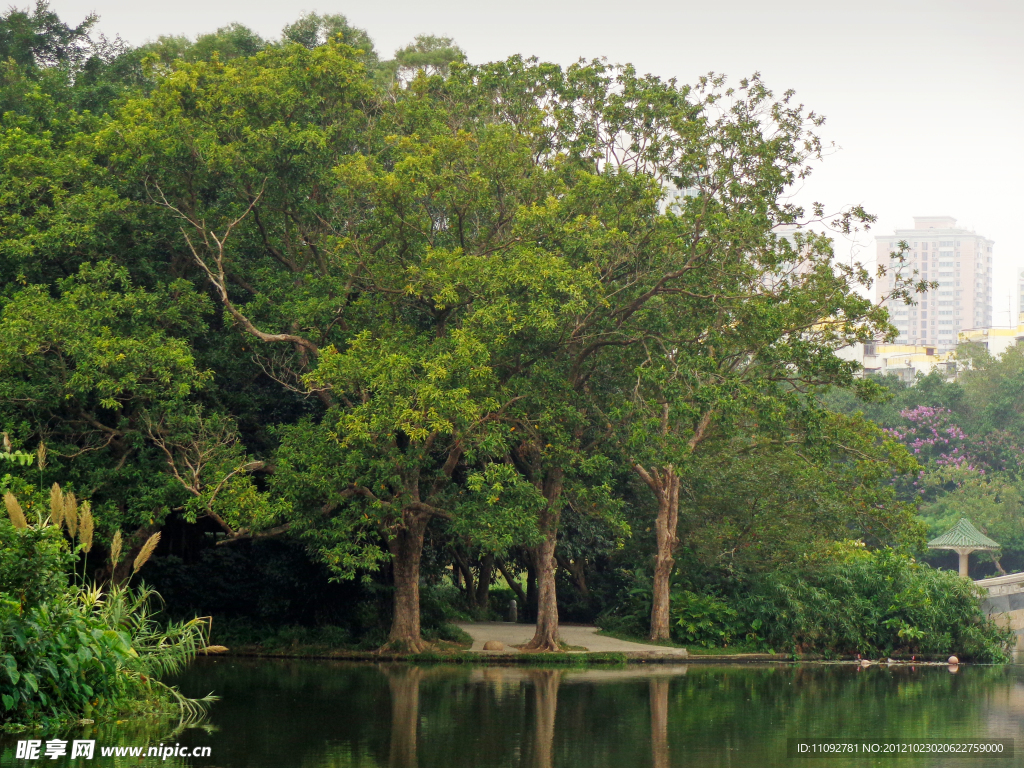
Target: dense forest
x=339, y=348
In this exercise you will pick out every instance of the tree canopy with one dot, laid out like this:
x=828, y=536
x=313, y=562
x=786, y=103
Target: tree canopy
x=422, y=313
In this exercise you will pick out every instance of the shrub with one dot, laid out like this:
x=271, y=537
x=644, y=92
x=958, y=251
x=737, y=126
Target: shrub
x=704, y=620
x=92, y=652
x=848, y=600
x=873, y=603
x=69, y=652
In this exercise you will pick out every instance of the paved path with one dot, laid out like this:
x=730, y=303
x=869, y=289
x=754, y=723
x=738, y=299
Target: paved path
x=570, y=634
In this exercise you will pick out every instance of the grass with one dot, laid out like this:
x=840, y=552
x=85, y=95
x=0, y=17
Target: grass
x=323, y=641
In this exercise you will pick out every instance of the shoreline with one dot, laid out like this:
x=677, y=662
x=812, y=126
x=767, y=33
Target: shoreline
x=572, y=658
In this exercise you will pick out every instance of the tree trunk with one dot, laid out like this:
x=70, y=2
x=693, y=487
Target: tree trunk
x=467, y=575
x=406, y=548
x=483, y=585
x=404, y=682
x=546, y=636
x=530, y=608
x=665, y=483
x=659, y=722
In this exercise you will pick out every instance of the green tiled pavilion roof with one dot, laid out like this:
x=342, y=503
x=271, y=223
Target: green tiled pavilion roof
x=963, y=535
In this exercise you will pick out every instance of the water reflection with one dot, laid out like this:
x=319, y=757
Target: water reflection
x=404, y=682
x=545, y=696
x=276, y=714
x=659, y=722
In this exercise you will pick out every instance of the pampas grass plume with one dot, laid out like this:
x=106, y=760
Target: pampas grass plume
x=14, y=511
x=85, y=525
x=115, y=549
x=71, y=514
x=146, y=552
x=56, y=505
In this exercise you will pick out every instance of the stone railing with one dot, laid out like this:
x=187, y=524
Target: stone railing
x=1005, y=602
x=1003, y=585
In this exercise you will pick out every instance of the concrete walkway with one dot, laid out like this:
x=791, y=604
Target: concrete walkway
x=570, y=634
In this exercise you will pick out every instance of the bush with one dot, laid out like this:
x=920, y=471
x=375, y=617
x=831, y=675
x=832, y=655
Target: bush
x=88, y=653
x=704, y=620
x=631, y=613
x=69, y=652
x=847, y=601
x=873, y=603
x=33, y=563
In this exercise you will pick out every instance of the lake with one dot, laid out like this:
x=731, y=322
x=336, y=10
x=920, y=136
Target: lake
x=321, y=714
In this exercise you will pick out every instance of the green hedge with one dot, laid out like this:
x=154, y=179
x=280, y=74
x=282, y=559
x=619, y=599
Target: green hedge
x=846, y=601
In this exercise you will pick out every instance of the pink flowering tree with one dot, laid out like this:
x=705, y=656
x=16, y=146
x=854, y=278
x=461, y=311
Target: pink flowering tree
x=964, y=475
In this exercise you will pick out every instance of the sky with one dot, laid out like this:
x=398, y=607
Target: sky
x=924, y=99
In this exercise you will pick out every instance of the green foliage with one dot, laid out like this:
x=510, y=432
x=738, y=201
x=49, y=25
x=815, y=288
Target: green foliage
x=313, y=30
x=87, y=653
x=966, y=435
x=427, y=54
x=458, y=305
x=873, y=603
x=107, y=344
x=39, y=38
x=230, y=42
x=33, y=564
x=846, y=600
x=704, y=620
x=69, y=651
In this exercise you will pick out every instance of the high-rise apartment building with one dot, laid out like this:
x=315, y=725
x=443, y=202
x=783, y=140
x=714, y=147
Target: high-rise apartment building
x=959, y=260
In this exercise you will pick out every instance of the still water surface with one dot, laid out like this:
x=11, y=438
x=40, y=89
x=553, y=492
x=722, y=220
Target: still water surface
x=313, y=714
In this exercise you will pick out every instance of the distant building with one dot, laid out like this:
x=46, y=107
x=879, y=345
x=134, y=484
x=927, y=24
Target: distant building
x=995, y=340
x=902, y=360
x=960, y=261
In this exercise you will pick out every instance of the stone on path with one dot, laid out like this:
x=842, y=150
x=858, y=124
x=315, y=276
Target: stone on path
x=494, y=645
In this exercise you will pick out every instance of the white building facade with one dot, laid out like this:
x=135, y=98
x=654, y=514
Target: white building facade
x=959, y=260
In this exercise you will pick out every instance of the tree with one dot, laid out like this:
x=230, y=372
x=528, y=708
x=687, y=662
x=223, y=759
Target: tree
x=313, y=30
x=85, y=370
x=748, y=359
x=427, y=54
x=38, y=38
x=348, y=256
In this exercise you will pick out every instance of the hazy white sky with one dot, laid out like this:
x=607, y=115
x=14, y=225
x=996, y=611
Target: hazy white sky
x=924, y=98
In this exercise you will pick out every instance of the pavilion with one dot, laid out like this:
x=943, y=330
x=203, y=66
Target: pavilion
x=963, y=538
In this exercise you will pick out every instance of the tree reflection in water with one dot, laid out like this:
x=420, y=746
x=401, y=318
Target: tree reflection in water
x=404, y=682
x=545, y=697
x=659, y=722
x=305, y=714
